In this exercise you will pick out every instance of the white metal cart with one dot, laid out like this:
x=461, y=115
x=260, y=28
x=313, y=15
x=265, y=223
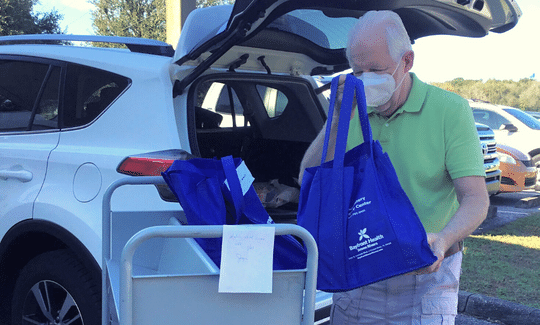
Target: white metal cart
x=162, y=276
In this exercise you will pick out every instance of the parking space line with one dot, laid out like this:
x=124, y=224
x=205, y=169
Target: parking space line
x=514, y=212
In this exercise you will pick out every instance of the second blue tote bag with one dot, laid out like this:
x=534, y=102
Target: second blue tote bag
x=210, y=193
x=365, y=226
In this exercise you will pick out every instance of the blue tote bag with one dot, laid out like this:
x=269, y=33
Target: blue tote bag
x=365, y=226
x=210, y=193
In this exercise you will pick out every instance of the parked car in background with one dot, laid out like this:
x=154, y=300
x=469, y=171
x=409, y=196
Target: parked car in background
x=513, y=127
x=534, y=114
x=488, y=145
x=518, y=170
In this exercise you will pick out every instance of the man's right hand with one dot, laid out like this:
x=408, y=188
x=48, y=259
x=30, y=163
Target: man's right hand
x=312, y=156
x=339, y=98
x=339, y=95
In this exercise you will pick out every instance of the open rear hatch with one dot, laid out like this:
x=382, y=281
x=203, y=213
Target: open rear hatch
x=319, y=28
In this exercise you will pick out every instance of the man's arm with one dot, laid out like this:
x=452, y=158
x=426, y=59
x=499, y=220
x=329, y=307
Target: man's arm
x=312, y=157
x=473, y=206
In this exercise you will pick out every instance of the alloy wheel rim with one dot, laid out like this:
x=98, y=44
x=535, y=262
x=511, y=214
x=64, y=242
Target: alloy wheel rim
x=49, y=303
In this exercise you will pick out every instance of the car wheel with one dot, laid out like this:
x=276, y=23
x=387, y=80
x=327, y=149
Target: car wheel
x=536, y=162
x=55, y=288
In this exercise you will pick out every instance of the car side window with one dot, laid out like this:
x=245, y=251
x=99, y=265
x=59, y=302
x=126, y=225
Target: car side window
x=22, y=85
x=274, y=100
x=218, y=106
x=489, y=118
x=47, y=110
x=89, y=92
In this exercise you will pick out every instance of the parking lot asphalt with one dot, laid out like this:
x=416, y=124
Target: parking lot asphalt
x=507, y=207
x=476, y=309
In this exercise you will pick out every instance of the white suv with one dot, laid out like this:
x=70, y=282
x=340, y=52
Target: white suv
x=75, y=119
x=512, y=127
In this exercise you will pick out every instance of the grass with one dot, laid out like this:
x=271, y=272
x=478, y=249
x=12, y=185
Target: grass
x=505, y=262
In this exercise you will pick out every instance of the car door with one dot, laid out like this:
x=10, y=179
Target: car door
x=29, y=102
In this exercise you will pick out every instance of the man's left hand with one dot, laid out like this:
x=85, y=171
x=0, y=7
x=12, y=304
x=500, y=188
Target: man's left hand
x=439, y=246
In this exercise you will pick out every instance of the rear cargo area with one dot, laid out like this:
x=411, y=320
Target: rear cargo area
x=268, y=121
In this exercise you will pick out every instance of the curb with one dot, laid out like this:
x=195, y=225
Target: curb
x=492, y=212
x=528, y=202
x=494, y=309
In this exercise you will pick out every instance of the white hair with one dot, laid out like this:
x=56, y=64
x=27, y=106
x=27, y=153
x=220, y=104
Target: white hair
x=396, y=35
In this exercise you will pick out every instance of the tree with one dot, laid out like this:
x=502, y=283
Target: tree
x=131, y=18
x=530, y=97
x=135, y=18
x=209, y=3
x=17, y=17
x=524, y=94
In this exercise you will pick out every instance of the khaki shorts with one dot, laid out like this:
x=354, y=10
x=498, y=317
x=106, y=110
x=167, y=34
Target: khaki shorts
x=406, y=299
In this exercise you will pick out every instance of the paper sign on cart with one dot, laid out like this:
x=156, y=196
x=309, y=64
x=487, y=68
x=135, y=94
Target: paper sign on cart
x=246, y=259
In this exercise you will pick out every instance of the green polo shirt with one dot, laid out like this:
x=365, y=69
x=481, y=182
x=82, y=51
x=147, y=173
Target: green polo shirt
x=431, y=140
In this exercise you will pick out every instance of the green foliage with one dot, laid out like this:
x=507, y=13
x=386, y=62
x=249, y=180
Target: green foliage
x=130, y=18
x=209, y=3
x=17, y=17
x=524, y=94
x=135, y=18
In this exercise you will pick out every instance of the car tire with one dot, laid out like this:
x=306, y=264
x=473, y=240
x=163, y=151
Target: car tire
x=55, y=288
x=536, y=162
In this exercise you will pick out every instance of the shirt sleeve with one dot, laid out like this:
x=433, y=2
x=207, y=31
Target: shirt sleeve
x=463, y=152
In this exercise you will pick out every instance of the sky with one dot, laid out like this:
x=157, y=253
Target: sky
x=513, y=55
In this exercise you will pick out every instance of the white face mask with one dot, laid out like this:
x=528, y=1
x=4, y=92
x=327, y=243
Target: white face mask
x=379, y=88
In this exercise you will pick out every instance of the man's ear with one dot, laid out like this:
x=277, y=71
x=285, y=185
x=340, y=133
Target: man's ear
x=409, y=60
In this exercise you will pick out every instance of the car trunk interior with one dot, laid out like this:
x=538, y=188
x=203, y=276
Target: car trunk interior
x=267, y=120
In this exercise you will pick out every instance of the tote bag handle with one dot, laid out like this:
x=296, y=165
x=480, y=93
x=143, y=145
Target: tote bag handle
x=352, y=84
x=234, y=185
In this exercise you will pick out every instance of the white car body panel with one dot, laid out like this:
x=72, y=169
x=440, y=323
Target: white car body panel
x=21, y=155
x=94, y=144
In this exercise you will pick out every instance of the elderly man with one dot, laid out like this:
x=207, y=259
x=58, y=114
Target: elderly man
x=431, y=139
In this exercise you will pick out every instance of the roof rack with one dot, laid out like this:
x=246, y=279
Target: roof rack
x=134, y=44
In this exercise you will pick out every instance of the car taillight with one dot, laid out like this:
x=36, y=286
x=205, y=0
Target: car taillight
x=153, y=164
x=142, y=166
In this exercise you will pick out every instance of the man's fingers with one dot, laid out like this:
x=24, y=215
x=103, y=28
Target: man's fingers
x=341, y=87
x=342, y=79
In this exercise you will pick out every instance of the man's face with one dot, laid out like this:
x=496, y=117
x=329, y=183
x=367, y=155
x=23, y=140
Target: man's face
x=370, y=54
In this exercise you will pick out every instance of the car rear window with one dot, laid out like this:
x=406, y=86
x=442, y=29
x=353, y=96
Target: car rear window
x=89, y=92
x=31, y=90
x=325, y=31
